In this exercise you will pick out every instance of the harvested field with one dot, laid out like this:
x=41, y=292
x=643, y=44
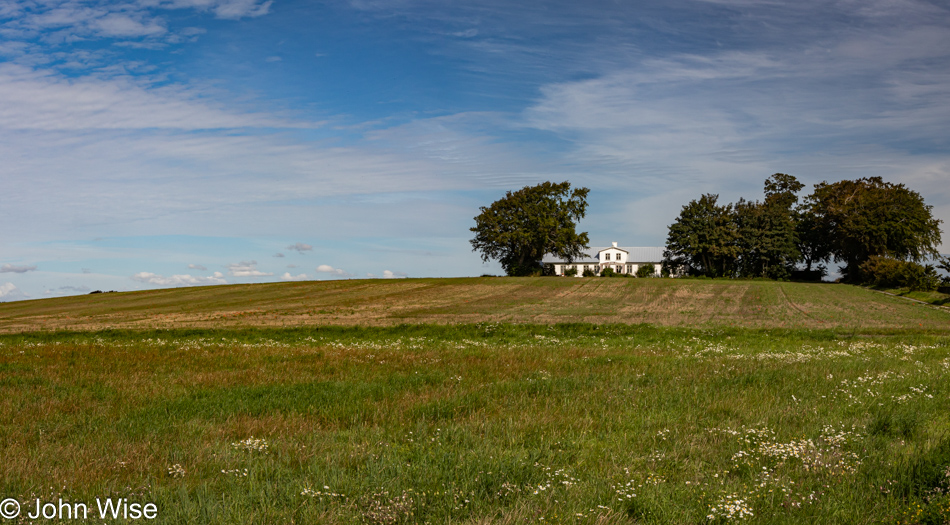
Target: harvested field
x=667, y=302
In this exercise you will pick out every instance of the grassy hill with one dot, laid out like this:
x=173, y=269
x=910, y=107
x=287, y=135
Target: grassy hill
x=665, y=302
x=463, y=401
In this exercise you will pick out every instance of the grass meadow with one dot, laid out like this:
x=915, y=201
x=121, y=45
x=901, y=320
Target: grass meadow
x=483, y=423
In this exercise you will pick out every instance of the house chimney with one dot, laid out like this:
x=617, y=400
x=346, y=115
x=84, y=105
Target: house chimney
x=615, y=244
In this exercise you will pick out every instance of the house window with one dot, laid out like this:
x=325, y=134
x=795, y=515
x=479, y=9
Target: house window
x=619, y=268
x=607, y=256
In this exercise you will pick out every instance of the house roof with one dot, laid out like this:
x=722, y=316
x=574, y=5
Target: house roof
x=635, y=254
x=653, y=254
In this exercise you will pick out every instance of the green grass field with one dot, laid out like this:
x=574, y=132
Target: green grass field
x=735, y=419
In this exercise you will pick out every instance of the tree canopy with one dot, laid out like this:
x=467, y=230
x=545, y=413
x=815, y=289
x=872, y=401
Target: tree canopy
x=857, y=219
x=519, y=229
x=768, y=241
x=849, y=221
x=703, y=239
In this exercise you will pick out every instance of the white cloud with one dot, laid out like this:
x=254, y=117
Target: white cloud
x=300, y=247
x=387, y=274
x=42, y=99
x=197, y=267
x=335, y=272
x=246, y=269
x=120, y=25
x=234, y=9
x=151, y=181
x=288, y=277
x=9, y=268
x=9, y=291
x=731, y=118
x=226, y=9
x=178, y=280
x=468, y=33
x=69, y=21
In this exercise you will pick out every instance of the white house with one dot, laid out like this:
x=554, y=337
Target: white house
x=623, y=260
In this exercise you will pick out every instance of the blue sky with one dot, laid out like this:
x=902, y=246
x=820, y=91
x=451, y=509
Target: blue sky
x=159, y=143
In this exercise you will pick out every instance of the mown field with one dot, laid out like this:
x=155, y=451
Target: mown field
x=665, y=302
x=483, y=422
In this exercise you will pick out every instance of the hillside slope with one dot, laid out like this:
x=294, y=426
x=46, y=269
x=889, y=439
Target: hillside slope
x=666, y=302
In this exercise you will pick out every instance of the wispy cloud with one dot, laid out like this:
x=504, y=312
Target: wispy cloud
x=45, y=100
x=66, y=20
x=235, y=9
x=300, y=247
x=246, y=269
x=197, y=267
x=288, y=277
x=724, y=116
x=178, y=280
x=335, y=272
x=121, y=25
x=10, y=268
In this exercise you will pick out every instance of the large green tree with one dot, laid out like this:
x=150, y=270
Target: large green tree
x=702, y=240
x=519, y=229
x=856, y=219
x=814, y=244
x=767, y=237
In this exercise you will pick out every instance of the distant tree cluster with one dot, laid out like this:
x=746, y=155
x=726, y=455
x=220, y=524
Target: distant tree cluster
x=860, y=223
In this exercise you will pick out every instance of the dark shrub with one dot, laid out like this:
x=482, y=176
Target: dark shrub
x=647, y=270
x=809, y=276
x=893, y=273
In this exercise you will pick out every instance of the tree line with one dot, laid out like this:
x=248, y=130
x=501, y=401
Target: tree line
x=880, y=232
